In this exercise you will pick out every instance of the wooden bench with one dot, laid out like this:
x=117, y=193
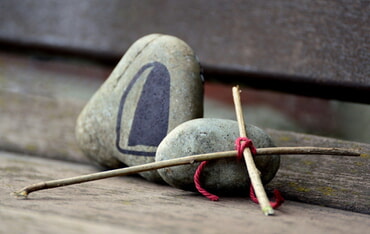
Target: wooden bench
x=317, y=50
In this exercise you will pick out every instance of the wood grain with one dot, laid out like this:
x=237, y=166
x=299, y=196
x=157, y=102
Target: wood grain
x=39, y=107
x=133, y=205
x=317, y=48
x=341, y=182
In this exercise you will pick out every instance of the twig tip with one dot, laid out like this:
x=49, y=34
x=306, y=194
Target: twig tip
x=268, y=211
x=20, y=194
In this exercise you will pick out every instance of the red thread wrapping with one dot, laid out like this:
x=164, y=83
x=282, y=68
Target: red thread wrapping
x=240, y=144
x=200, y=189
x=243, y=142
x=278, y=198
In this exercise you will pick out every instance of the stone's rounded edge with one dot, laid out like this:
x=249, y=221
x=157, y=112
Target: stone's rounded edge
x=88, y=143
x=131, y=53
x=223, y=176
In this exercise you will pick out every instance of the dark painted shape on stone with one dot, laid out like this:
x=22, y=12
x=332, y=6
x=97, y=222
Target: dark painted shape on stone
x=150, y=123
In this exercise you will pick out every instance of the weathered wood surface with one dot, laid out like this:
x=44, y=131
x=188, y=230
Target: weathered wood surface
x=39, y=126
x=39, y=103
x=334, y=181
x=307, y=47
x=133, y=205
x=45, y=127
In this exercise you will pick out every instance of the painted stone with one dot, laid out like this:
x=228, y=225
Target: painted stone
x=222, y=176
x=155, y=87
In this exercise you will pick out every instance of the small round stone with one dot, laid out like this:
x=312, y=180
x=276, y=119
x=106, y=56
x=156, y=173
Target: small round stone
x=155, y=87
x=222, y=176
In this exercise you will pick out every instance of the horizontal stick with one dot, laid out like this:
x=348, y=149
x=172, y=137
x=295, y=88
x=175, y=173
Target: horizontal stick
x=175, y=162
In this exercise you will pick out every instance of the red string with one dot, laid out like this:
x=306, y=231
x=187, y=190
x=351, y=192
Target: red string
x=243, y=142
x=240, y=144
x=204, y=192
x=278, y=198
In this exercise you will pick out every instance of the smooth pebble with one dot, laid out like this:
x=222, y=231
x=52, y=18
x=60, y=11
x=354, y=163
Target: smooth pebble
x=222, y=176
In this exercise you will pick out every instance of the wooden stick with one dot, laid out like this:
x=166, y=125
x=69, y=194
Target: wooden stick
x=254, y=173
x=176, y=162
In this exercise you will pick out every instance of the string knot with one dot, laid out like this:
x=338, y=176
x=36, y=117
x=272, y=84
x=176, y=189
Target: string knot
x=240, y=144
x=244, y=142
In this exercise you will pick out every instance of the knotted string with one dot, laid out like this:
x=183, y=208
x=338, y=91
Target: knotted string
x=243, y=142
x=240, y=144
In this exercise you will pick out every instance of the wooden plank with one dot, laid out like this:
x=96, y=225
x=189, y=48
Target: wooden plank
x=133, y=205
x=340, y=182
x=39, y=126
x=306, y=47
x=39, y=104
x=19, y=220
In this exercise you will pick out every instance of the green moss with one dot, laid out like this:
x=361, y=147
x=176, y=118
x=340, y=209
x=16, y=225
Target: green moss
x=328, y=191
x=285, y=138
x=31, y=147
x=11, y=169
x=303, y=189
x=308, y=162
x=126, y=202
x=299, y=188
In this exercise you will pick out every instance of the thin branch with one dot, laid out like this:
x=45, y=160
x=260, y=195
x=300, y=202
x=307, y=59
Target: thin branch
x=254, y=173
x=176, y=162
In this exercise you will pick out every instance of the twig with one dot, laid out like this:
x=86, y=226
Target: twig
x=253, y=172
x=176, y=162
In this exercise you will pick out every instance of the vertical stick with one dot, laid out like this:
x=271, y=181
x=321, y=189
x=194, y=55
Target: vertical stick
x=253, y=172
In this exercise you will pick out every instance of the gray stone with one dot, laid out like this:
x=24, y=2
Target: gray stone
x=155, y=87
x=223, y=176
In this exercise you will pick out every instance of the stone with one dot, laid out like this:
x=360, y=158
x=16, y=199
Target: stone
x=156, y=86
x=222, y=176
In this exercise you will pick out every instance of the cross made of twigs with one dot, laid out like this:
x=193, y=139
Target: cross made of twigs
x=253, y=172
